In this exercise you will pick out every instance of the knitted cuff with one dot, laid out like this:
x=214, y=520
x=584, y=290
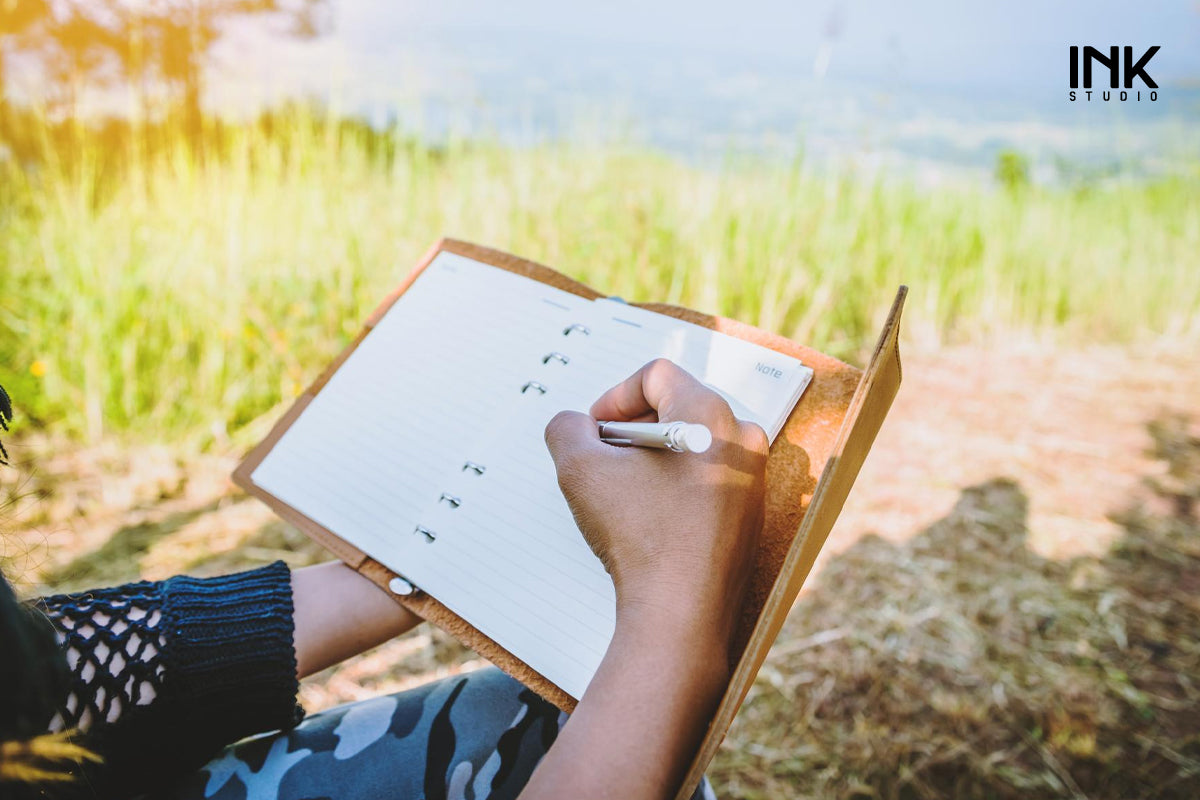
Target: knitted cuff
x=228, y=647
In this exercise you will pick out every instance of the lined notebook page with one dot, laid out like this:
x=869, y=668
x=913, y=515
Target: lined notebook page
x=375, y=446
x=510, y=558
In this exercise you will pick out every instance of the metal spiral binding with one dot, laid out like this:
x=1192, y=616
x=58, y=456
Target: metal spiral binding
x=479, y=469
x=398, y=584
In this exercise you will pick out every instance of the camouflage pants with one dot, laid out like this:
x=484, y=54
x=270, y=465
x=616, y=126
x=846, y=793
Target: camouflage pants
x=468, y=737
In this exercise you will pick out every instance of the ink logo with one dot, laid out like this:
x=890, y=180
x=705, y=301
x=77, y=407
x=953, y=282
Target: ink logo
x=1113, y=62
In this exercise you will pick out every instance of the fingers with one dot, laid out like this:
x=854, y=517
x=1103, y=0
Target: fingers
x=664, y=390
x=645, y=391
x=571, y=435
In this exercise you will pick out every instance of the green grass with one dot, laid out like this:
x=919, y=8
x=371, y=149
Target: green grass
x=152, y=293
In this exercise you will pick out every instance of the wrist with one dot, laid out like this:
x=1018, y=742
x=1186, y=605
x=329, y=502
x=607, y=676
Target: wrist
x=677, y=622
x=683, y=646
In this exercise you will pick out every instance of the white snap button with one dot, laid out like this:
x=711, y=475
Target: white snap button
x=401, y=586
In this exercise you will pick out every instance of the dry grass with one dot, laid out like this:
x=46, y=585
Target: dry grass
x=961, y=664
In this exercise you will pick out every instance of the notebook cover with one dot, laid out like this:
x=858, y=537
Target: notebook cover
x=810, y=469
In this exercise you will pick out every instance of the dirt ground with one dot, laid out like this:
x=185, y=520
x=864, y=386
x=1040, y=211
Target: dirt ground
x=1063, y=431
x=1069, y=426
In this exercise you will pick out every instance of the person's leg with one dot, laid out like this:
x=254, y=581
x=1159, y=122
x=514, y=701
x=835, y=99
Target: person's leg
x=475, y=736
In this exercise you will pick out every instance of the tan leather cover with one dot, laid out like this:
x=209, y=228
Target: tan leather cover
x=865, y=413
x=811, y=467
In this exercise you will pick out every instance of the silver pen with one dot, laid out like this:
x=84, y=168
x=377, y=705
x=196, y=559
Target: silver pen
x=681, y=437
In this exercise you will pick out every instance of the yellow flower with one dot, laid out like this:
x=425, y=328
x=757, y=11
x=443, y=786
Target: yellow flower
x=38, y=368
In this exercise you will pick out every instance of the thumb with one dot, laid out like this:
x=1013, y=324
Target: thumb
x=571, y=435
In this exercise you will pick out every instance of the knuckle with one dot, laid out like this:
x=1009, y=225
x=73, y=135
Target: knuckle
x=662, y=369
x=659, y=365
x=555, y=427
x=755, y=438
x=752, y=446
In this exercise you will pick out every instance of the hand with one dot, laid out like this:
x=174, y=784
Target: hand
x=676, y=531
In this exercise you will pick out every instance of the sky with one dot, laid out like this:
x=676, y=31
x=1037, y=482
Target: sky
x=1021, y=43
x=922, y=82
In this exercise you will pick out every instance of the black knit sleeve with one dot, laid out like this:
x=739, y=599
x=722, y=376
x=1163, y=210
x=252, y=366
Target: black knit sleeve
x=163, y=674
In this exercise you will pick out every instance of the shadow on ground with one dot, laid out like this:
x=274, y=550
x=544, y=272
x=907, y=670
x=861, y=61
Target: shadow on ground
x=117, y=559
x=960, y=664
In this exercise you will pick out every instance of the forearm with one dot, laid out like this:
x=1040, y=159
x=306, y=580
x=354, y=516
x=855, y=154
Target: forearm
x=339, y=613
x=642, y=717
x=657, y=522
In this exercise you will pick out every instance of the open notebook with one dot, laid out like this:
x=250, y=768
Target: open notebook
x=425, y=448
